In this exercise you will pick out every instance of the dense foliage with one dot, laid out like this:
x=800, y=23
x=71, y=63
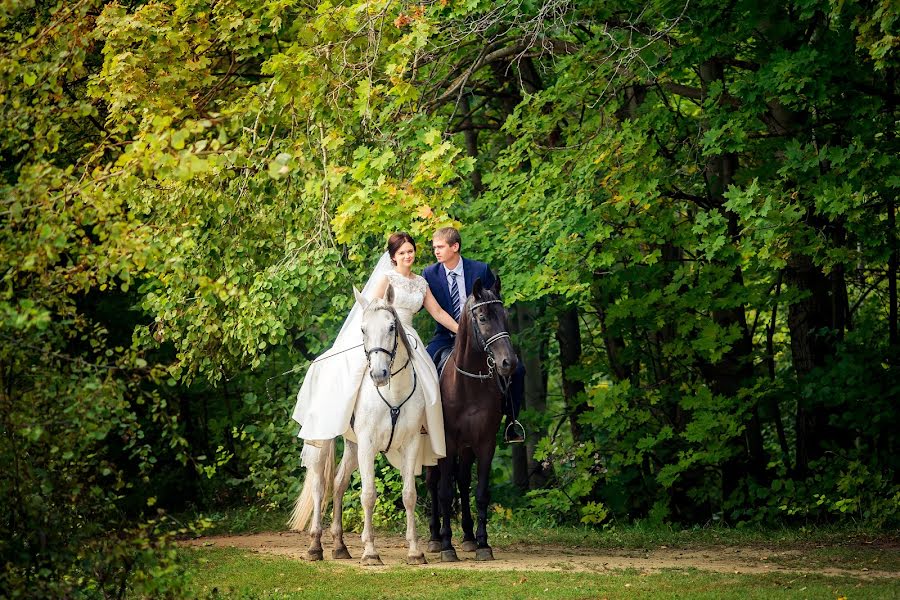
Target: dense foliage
x=691, y=205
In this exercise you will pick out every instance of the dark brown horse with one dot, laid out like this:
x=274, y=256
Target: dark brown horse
x=473, y=384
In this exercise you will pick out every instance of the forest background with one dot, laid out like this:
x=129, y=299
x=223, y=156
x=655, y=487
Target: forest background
x=691, y=205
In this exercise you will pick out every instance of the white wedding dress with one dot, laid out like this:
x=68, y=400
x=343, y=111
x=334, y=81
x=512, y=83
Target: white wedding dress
x=328, y=395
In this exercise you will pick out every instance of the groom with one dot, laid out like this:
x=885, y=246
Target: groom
x=451, y=280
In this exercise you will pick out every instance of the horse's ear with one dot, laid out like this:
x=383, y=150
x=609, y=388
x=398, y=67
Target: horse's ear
x=360, y=298
x=496, y=288
x=389, y=294
x=477, y=287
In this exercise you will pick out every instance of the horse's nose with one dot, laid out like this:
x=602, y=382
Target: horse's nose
x=506, y=364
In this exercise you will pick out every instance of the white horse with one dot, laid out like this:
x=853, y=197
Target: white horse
x=385, y=416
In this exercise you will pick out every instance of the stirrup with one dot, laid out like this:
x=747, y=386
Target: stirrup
x=515, y=433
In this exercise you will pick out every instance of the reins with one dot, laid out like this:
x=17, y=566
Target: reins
x=394, y=410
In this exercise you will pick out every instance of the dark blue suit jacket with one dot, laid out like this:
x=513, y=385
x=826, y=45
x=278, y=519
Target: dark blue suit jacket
x=437, y=282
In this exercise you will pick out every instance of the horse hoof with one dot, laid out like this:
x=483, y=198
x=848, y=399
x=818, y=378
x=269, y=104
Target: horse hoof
x=372, y=561
x=449, y=555
x=469, y=546
x=484, y=553
x=416, y=560
x=434, y=546
x=314, y=554
x=340, y=553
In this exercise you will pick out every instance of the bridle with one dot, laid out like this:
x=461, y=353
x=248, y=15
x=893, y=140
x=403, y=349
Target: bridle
x=485, y=343
x=392, y=353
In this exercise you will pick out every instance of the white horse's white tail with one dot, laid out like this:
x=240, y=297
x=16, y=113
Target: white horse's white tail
x=312, y=458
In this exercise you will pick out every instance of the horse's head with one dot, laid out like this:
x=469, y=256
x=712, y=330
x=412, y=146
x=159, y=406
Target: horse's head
x=382, y=334
x=490, y=326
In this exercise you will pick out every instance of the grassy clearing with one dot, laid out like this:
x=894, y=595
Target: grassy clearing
x=231, y=573
x=815, y=546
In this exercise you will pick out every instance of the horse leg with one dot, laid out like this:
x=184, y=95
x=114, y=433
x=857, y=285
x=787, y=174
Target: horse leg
x=482, y=499
x=433, y=480
x=464, y=479
x=445, y=496
x=315, y=470
x=410, y=456
x=314, y=552
x=366, y=454
x=341, y=483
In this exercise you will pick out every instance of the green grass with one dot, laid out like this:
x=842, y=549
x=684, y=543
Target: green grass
x=872, y=557
x=231, y=573
x=817, y=547
x=241, y=520
x=643, y=535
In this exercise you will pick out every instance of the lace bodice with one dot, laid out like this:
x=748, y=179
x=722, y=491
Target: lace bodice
x=409, y=294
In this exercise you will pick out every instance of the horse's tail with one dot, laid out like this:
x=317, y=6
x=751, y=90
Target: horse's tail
x=303, y=507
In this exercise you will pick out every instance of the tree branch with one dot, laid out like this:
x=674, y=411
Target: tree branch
x=682, y=90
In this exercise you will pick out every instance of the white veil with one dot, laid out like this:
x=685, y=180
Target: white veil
x=350, y=331
x=316, y=409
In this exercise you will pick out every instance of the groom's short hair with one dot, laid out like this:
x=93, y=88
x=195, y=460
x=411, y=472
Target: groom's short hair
x=449, y=235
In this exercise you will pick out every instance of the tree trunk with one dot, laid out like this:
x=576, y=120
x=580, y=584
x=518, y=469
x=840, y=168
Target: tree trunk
x=533, y=355
x=811, y=319
x=894, y=257
x=568, y=334
x=471, y=136
x=809, y=323
x=519, y=451
x=727, y=376
x=774, y=406
x=892, y=275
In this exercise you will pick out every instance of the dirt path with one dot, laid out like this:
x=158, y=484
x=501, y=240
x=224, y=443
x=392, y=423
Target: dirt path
x=722, y=559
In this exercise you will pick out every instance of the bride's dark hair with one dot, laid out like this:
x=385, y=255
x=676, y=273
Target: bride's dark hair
x=396, y=240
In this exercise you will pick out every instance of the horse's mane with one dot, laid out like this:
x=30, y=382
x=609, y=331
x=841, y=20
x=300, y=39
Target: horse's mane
x=464, y=331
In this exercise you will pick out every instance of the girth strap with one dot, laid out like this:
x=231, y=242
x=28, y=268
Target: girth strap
x=395, y=410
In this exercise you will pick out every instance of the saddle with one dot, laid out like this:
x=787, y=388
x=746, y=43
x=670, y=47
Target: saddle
x=441, y=358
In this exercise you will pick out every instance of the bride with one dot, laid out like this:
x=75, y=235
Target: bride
x=328, y=395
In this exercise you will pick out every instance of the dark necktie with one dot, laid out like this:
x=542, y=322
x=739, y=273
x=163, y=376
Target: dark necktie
x=454, y=295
